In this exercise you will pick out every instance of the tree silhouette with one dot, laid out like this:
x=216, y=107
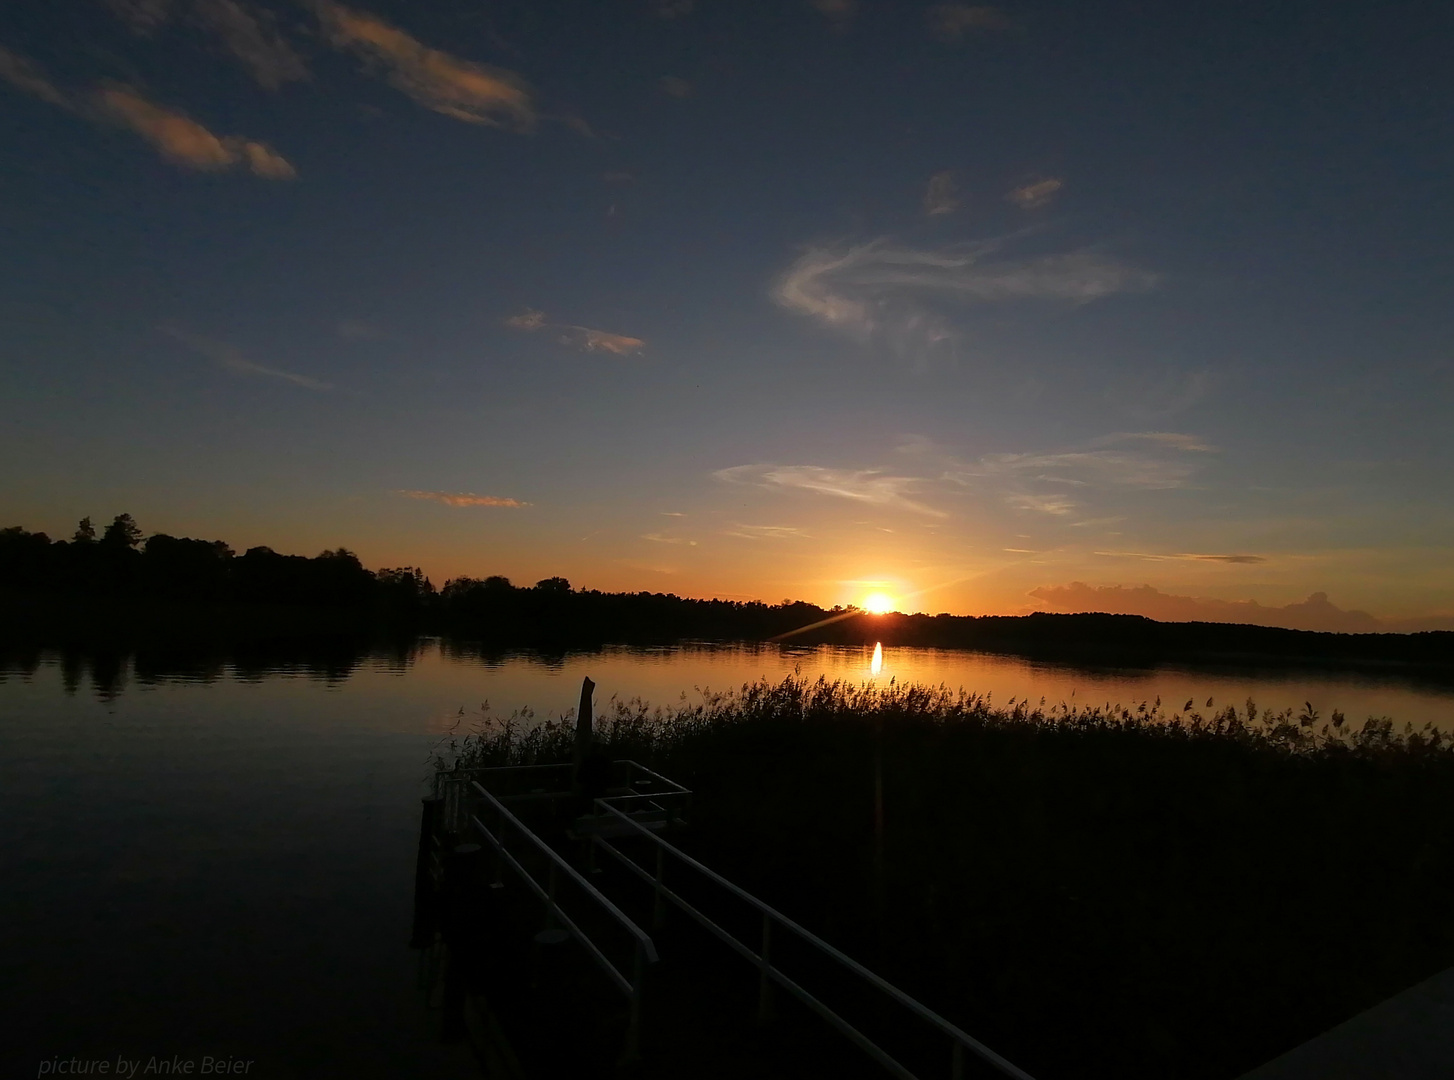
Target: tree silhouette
x=122, y=532
x=85, y=532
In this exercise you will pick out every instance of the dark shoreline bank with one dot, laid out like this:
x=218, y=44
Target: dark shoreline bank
x=587, y=622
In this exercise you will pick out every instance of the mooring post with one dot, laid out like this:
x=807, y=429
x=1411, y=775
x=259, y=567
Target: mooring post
x=583, y=733
x=426, y=897
x=461, y=869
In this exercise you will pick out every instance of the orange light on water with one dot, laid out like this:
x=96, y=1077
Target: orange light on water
x=876, y=665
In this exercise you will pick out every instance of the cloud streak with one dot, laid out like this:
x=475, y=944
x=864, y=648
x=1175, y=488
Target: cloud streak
x=868, y=486
x=245, y=30
x=437, y=80
x=940, y=197
x=580, y=337
x=251, y=36
x=463, y=499
x=231, y=358
x=767, y=532
x=176, y=136
x=183, y=141
x=27, y=76
x=1033, y=195
x=1246, y=560
x=883, y=289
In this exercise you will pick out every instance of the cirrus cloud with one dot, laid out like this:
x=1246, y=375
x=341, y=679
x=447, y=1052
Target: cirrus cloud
x=180, y=139
x=869, y=486
x=898, y=294
x=463, y=498
x=1038, y=194
x=581, y=337
x=462, y=89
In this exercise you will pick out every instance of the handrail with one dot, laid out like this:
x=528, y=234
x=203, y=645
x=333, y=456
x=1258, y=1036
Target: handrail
x=644, y=951
x=961, y=1039
x=642, y=938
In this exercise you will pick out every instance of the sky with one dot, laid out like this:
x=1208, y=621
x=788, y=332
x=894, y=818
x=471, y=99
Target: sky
x=1040, y=306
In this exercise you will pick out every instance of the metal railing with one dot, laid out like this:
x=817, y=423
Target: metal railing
x=960, y=1041
x=632, y=783
x=560, y=872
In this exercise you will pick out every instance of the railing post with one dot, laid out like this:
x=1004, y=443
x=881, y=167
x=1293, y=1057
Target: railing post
x=426, y=903
x=764, y=978
x=459, y=876
x=658, y=907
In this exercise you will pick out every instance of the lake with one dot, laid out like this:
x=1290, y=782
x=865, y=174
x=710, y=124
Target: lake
x=209, y=858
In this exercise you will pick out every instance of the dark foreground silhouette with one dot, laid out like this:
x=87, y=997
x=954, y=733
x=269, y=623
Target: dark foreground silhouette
x=117, y=588
x=1094, y=893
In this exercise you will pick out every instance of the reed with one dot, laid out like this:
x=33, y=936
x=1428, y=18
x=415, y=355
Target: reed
x=1106, y=891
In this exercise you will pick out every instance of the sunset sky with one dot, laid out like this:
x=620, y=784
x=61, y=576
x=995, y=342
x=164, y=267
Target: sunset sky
x=984, y=309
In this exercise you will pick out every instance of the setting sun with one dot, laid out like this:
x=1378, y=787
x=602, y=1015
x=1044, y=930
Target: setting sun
x=878, y=603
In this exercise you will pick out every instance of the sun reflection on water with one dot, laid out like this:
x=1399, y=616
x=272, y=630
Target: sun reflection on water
x=876, y=665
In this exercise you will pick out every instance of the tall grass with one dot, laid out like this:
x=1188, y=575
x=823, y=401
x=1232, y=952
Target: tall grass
x=1099, y=892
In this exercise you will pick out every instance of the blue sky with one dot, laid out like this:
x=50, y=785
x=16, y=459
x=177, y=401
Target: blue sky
x=988, y=308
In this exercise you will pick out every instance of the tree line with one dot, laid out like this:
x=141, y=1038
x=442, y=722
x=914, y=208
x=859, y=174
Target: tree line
x=70, y=581
x=122, y=565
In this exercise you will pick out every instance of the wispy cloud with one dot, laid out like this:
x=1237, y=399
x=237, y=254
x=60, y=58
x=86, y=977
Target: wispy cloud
x=1060, y=483
x=30, y=77
x=463, y=498
x=248, y=31
x=143, y=16
x=1078, y=468
x=581, y=337
x=940, y=196
x=950, y=22
x=1172, y=440
x=179, y=138
x=1038, y=194
x=468, y=91
x=659, y=538
x=183, y=141
x=250, y=34
x=232, y=359
x=881, y=289
x=1242, y=560
x=529, y=319
x=1055, y=505
x=870, y=486
x=768, y=532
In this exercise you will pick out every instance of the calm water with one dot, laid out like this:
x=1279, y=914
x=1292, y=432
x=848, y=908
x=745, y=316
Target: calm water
x=218, y=860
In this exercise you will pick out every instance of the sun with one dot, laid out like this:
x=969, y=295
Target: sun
x=878, y=603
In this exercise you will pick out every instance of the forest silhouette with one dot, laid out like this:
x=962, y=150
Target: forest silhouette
x=124, y=586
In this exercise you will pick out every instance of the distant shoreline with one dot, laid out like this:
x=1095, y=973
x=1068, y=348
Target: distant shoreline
x=573, y=621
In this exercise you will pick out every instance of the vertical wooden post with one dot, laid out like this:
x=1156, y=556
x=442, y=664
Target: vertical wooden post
x=426, y=903
x=583, y=733
x=460, y=872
